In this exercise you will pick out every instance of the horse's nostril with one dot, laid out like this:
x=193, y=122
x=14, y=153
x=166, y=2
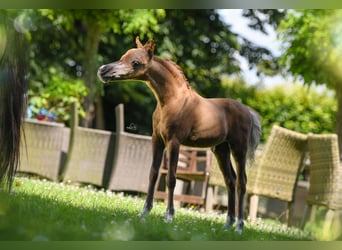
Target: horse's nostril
x=103, y=68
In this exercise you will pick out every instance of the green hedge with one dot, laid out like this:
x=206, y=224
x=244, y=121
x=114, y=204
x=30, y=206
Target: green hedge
x=293, y=106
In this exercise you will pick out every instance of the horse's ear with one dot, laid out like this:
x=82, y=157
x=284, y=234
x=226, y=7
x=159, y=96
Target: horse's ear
x=149, y=46
x=139, y=44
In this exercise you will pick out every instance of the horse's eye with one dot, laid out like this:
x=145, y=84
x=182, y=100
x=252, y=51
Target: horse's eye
x=135, y=63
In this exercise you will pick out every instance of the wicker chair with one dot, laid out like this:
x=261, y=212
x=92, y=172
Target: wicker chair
x=91, y=157
x=90, y=153
x=217, y=194
x=325, y=179
x=41, y=149
x=275, y=171
x=132, y=158
x=193, y=168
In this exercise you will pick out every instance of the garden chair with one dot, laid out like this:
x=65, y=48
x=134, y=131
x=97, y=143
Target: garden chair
x=90, y=154
x=275, y=171
x=41, y=148
x=132, y=158
x=325, y=179
x=90, y=157
x=193, y=169
x=217, y=194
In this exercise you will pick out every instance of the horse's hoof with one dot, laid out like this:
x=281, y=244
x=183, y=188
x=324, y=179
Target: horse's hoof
x=226, y=226
x=229, y=223
x=238, y=230
x=239, y=226
x=144, y=213
x=168, y=218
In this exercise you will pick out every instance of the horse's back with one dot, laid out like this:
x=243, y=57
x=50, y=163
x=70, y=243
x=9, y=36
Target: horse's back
x=238, y=117
x=233, y=108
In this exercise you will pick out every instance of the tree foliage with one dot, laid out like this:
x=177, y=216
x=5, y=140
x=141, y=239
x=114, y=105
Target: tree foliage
x=67, y=47
x=68, y=40
x=58, y=96
x=313, y=48
x=262, y=20
x=313, y=45
x=200, y=42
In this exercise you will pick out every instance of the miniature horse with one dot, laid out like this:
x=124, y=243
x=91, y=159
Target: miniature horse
x=184, y=117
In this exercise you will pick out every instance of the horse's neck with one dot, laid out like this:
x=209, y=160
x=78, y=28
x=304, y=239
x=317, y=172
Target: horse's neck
x=167, y=81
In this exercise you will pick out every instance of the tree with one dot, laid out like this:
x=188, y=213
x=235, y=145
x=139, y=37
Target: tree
x=69, y=42
x=206, y=48
x=260, y=58
x=313, y=50
x=74, y=41
x=201, y=44
x=197, y=40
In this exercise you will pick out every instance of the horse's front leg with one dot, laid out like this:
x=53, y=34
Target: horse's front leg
x=172, y=161
x=158, y=151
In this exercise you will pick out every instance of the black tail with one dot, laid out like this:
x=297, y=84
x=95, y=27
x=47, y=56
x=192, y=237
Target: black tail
x=255, y=135
x=12, y=98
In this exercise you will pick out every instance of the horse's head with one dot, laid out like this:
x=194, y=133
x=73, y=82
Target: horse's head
x=132, y=65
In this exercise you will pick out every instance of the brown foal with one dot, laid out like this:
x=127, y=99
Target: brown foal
x=184, y=117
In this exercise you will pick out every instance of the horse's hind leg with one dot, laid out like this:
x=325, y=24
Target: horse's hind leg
x=158, y=151
x=241, y=182
x=222, y=154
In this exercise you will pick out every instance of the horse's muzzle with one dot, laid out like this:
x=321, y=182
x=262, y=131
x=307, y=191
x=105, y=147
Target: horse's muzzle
x=102, y=73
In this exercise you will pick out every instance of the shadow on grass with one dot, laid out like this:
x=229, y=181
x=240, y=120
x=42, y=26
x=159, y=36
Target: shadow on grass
x=31, y=217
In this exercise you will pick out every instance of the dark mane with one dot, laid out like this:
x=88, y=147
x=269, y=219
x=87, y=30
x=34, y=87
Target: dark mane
x=174, y=68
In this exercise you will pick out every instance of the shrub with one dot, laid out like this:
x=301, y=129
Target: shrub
x=295, y=107
x=57, y=96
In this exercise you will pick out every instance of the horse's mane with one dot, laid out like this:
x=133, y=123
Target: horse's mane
x=174, y=68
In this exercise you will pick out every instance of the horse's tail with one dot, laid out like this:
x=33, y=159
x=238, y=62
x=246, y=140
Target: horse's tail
x=12, y=100
x=255, y=135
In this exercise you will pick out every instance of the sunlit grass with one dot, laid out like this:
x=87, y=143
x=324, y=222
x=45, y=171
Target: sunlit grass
x=318, y=229
x=43, y=210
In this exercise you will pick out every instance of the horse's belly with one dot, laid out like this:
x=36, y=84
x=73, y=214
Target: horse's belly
x=202, y=143
x=209, y=129
x=207, y=138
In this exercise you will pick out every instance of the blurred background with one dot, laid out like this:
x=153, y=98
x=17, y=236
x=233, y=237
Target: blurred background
x=283, y=63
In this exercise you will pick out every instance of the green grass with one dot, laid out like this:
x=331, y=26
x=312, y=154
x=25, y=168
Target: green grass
x=43, y=210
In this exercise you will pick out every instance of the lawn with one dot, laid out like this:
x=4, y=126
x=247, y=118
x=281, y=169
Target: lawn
x=41, y=210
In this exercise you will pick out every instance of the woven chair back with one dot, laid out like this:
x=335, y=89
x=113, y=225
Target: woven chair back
x=275, y=171
x=325, y=171
x=41, y=148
